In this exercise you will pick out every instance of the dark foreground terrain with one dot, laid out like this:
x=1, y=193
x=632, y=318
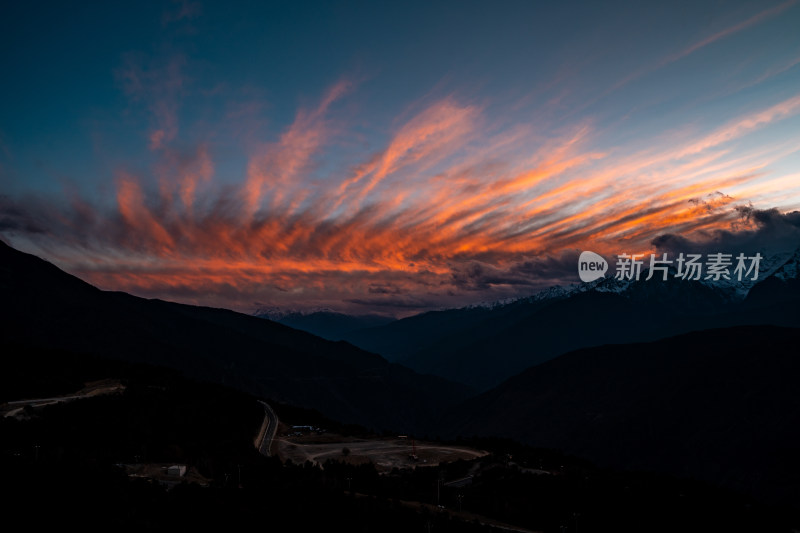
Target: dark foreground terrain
x=696, y=432
x=720, y=405
x=46, y=307
x=80, y=464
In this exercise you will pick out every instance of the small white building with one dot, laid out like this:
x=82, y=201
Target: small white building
x=176, y=470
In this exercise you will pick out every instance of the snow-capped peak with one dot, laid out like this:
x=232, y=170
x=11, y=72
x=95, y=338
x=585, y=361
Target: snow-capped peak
x=790, y=269
x=738, y=289
x=784, y=266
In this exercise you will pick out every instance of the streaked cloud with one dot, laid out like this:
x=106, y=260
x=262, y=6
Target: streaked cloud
x=424, y=219
x=232, y=193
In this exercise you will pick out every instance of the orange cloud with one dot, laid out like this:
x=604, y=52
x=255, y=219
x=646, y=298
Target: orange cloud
x=405, y=223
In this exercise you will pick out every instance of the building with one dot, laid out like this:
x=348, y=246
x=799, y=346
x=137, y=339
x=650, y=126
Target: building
x=176, y=470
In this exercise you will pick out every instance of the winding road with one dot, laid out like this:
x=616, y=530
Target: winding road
x=267, y=431
x=14, y=408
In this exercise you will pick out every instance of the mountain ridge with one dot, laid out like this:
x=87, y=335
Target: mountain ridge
x=47, y=307
x=482, y=345
x=720, y=405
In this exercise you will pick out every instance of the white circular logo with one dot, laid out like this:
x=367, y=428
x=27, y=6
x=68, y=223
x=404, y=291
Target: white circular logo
x=591, y=266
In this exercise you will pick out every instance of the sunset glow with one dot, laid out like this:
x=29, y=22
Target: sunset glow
x=192, y=175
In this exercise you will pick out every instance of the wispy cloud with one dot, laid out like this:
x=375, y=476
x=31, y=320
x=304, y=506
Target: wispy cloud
x=158, y=85
x=449, y=209
x=698, y=45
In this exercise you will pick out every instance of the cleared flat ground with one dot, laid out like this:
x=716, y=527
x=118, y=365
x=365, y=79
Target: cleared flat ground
x=385, y=454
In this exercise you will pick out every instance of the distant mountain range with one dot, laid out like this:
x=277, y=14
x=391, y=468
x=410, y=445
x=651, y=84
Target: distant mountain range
x=324, y=323
x=483, y=345
x=603, y=370
x=46, y=307
x=720, y=405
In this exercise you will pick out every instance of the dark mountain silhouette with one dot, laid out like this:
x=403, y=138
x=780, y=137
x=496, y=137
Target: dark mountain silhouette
x=720, y=405
x=482, y=346
x=58, y=457
x=783, y=285
x=404, y=337
x=46, y=307
x=325, y=323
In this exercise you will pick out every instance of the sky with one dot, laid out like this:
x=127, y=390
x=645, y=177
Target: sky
x=391, y=158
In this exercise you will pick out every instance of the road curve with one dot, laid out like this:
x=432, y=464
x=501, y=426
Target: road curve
x=268, y=429
x=13, y=408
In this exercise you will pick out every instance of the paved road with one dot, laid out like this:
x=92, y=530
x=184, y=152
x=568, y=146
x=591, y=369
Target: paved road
x=268, y=429
x=15, y=407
